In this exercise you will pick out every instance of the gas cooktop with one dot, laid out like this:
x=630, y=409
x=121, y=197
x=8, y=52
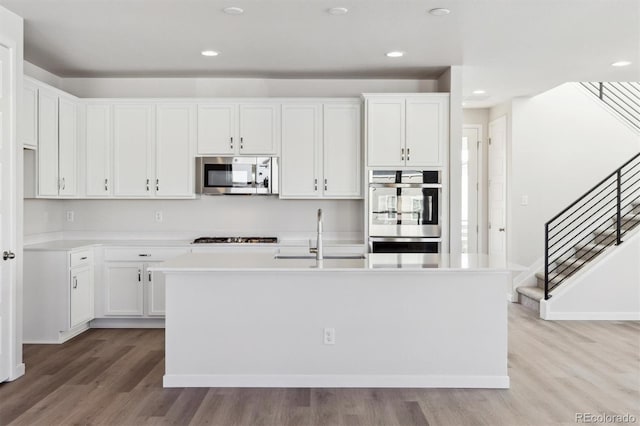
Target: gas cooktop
x=235, y=240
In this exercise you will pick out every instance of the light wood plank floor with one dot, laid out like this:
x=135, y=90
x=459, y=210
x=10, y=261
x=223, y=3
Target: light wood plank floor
x=114, y=377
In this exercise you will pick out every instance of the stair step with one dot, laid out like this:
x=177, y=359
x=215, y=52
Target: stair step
x=605, y=236
x=530, y=297
x=589, y=249
x=569, y=266
x=554, y=279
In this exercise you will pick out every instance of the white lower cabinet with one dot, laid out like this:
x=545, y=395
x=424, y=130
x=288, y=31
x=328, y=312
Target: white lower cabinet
x=58, y=294
x=130, y=288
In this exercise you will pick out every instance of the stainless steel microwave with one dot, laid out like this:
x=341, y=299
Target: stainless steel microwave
x=237, y=175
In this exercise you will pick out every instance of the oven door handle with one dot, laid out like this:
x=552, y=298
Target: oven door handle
x=430, y=206
x=405, y=185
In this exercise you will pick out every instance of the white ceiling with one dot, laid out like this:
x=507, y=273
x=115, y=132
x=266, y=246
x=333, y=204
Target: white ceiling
x=506, y=47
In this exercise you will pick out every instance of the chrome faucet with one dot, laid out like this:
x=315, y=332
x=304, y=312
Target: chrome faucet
x=318, y=250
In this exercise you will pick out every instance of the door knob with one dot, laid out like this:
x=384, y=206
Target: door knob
x=8, y=255
x=501, y=229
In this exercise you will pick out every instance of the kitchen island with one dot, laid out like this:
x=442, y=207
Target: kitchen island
x=387, y=320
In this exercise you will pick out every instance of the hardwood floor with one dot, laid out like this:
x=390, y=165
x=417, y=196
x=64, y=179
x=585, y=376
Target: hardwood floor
x=114, y=377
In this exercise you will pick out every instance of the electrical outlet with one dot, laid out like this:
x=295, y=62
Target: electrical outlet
x=525, y=200
x=70, y=216
x=329, y=336
x=158, y=216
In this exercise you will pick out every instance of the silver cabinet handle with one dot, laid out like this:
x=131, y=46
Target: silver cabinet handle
x=106, y=186
x=408, y=154
x=8, y=255
x=75, y=282
x=144, y=255
x=157, y=185
x=147, y=185
x=64, y=184
x=325, y=184
x=231, y=139
x=149, y=276
x=241, y=143
x=83, y=258
x=315, y=184
x=402, y=154
x=139, y=275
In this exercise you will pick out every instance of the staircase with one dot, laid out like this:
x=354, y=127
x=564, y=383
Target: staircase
x=596, y=222
x=622, y=98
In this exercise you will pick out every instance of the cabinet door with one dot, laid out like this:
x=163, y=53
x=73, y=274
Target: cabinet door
x=124, y=289
x=385, y=132
x=301, y=139
x=132, y=149
x=98, y=151
x=427, y=127
x=81, y=303
x=29, y=120
x=217, y=129
x=341, y=151
x=155, y=296
x=67, y=146
x=175, y=137
x=259, y=129
x=47, y=143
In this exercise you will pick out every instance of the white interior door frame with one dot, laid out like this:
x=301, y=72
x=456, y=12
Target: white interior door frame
x=497, y=189
x=475, y=188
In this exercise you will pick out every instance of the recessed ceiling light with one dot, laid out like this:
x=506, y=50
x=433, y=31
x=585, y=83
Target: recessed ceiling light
x=479, y=92
x=209, y=53
x=440, y=11
x=621, y=64
x=395, y=54
x=338, y=11
x=233, y=10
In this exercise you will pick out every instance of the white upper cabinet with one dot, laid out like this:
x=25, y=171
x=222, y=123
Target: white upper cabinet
x=301, y=142
x=98, y=150
x=238, y=129
x=386, y=131
x=407, y=131
x=47, y=143
x=175, y=139
x=321, y=152
x=133, y=150
x=218, y=129
x=29, y=120
x=259, y=129
x=427, y=130
x=67, y=146
x=342, y=151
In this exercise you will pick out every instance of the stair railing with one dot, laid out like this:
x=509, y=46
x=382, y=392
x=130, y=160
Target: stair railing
x=607, y=210
x=622, y=97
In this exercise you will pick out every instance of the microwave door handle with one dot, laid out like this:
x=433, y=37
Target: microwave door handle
x=430, y=198
x=254, y=175
x=399, y=206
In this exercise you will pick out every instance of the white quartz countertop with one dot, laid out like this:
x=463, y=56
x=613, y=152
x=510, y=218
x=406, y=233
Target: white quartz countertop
x=241, y=262
x=68, y=245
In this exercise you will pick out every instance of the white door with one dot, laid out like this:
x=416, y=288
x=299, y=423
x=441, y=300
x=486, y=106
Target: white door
x=81, y=295
x=301, y=138
x=67, y=146
x=155, y=292
x=386, y=132
x=498, y=188
x=175, y=137
x=47, y=143
x=132, y=149
x=259, y=129
x=426, y=130
x=29, y=120
x=98, y=151
x=470, y=189
x=341, y=151
x=7, y=205
x=218, y=129
x=124, y=287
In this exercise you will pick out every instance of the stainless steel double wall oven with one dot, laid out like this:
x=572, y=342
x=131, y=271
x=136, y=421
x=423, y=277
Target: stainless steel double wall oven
x=405, y=211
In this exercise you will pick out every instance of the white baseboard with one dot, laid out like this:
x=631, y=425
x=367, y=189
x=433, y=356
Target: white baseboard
x=334, y=381
x=61, y=338
x=127, y=323
x=17, y=372
x=593, y=316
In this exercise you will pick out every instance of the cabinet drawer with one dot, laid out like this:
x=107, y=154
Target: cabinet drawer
x=142, y=254
x=79, y=258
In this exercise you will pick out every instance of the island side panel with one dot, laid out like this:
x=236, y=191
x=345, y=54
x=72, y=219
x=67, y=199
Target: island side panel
x=392, y=329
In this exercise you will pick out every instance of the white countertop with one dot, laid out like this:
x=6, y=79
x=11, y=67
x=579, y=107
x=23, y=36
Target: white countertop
x=243, y=262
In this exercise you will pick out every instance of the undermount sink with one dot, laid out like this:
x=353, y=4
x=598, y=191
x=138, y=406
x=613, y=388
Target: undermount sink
x=312, y=256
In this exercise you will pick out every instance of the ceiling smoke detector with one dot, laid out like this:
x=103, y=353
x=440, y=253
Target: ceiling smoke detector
x=440, y=11
x=338, y=11
x=233, y=10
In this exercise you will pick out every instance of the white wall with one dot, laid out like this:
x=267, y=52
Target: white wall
x=562, y=143
x=42, y=217
x=215, y=215
x=240, y=87
x=609, y=290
